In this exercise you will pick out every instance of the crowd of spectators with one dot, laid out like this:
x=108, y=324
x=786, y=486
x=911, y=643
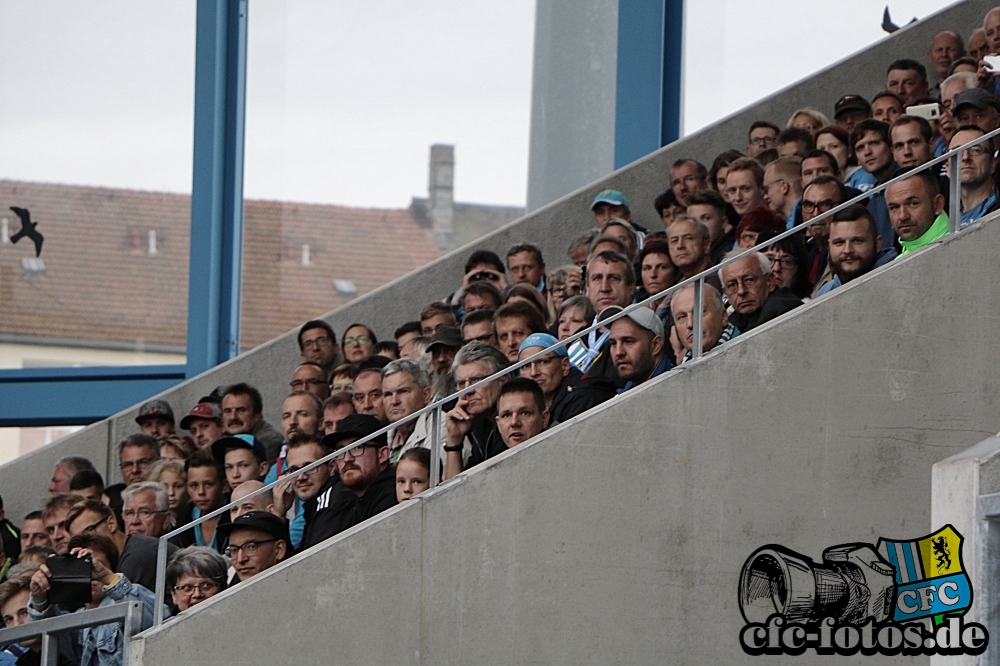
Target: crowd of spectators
x=505, y=310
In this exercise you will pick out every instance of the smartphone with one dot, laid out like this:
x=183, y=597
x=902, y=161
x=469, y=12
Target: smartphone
x=926, y=111
x=69, y=583
x=992, y=64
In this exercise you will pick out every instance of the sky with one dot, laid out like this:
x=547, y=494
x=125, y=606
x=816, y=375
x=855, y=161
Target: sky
x=345, y=99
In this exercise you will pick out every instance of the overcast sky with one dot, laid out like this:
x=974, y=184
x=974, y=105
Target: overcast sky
x=345, y=99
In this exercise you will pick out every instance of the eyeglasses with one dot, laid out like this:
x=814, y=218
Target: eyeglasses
x=250, y=547
x=90, y=528
x=360, y=340
x=141, y=462
x=767, y=186
x=976, y=151
x=462, y=383
x=318, y=342
x=144, y=514
x=822, y=206
x=784, y=262
x=760, y=140
x=300, y=384
x=748, y=282
x=189, y=588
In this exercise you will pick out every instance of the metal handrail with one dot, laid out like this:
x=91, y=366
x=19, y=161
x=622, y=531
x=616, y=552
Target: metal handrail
x=698, y=280
x=129, y=613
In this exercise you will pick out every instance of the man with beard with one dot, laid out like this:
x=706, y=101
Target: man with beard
x=637, y=345
x=916, y=209
x=854, y=246
x=366, y=485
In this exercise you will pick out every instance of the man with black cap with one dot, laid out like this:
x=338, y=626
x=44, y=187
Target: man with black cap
x=637, y=345
x=156, y=418
x=976, y=106
x=257, y=541
x=204, y=422
x=851, y=110
x=443, y=347
x=364, y=471
x=243, y=457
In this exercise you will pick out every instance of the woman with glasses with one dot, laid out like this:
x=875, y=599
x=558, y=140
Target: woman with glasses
x=789, y=263
x=194, y=574
x=358, y=343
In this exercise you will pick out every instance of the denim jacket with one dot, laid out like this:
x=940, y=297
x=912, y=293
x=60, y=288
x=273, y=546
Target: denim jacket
x=103, y=645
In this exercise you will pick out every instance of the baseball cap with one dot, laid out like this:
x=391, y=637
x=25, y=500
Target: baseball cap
x=613, y=197
x=203, y=410
x=977, y=97
x=447, y=336
x=155, y=408
x=356, y=426
x=642, y=316
x=264, y=521
x=851, y=103
x=543, y=340
x=223, y=444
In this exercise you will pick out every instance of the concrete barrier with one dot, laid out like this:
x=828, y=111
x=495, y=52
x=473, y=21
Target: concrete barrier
x=551, y=227
x=618, y=537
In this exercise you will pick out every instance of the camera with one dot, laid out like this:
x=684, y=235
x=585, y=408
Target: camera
x=852, y=584
x=484, y=275
x=69, y=584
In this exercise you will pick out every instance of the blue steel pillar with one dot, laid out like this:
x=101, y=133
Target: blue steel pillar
x=215, y=271
x=648, y=92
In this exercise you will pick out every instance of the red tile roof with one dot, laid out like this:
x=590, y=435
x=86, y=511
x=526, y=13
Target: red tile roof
x=101, y=284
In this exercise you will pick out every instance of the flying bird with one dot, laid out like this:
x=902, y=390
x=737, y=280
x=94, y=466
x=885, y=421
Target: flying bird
x=887, y=23
x=29, y=229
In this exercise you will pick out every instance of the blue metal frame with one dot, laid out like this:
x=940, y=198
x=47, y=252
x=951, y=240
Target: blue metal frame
x=649, y=83
x=215, y=269
x=73, y=396
x=77, y=396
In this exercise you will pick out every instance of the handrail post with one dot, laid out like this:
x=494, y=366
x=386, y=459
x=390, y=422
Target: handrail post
x=133, y=625
x=50, y=649
x=698, y=314
x=161, y=579
x=955, y=193
x=435, y=445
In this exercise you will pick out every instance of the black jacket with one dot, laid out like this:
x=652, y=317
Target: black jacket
x=321, y=512
x=778, y=303
x=485, y=438
x=578, y=394
x=345, y=509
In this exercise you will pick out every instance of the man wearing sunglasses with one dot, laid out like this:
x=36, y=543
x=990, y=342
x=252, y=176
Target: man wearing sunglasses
x=257, y=541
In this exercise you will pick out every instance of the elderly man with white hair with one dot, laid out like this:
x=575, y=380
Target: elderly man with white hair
x=752, y=290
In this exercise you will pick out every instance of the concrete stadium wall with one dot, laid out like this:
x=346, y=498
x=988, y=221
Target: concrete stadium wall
x=958, y=483
x=269, y=366
x=618, y=537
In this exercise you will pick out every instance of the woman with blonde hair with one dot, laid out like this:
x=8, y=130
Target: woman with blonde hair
x=809, y=119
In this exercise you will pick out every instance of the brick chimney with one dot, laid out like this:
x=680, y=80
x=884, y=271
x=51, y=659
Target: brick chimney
x=442, y=189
